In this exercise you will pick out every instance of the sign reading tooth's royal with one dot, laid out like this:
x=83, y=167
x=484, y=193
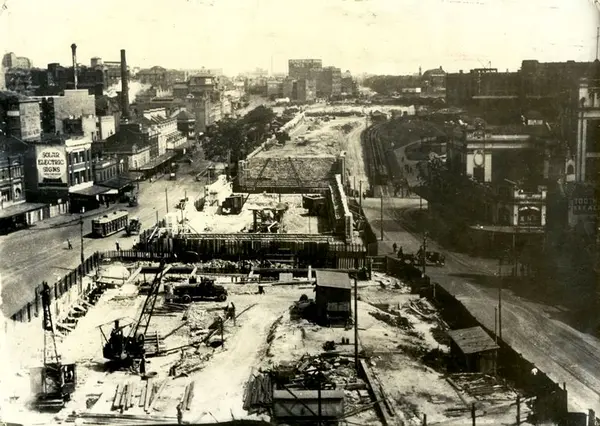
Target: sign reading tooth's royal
x=52, y=165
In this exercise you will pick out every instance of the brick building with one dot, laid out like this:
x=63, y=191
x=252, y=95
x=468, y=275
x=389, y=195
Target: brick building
x=302, y=69
x=329, y=82
x=20, y=117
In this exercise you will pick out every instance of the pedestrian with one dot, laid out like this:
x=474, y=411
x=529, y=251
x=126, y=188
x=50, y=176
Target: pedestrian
x=232, y=312
x=179, y=414
x=117, y=246
x=261, y=289
x=143, y=365
x=394, y=247
x=69, y=245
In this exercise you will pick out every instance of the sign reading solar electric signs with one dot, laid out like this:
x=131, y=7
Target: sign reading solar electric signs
x=51, y=166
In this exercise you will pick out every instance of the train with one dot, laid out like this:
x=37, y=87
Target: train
x=109, y=224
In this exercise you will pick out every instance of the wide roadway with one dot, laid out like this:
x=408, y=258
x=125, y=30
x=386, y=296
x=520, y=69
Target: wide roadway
x=532, y=328
x=30, y=256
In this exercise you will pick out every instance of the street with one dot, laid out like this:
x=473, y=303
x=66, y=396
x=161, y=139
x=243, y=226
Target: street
x=533, y=329
x=30, y=256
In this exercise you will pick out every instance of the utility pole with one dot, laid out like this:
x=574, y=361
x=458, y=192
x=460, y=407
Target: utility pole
x=360, y=193
x=81, y=234
x=319, y=394
x=356, y=324
x=382, y=215
x=424, y=254
x=167, y=199
x=500, y=298
x=597, y=40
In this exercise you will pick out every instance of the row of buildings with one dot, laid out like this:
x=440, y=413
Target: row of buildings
x=522, y=165
x=65, y=150
x=308, y=80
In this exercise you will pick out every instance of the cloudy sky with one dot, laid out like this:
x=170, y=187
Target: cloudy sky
x=376, y=36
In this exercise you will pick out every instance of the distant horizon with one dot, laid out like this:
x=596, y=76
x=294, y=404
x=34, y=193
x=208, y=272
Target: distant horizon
x=380, y=37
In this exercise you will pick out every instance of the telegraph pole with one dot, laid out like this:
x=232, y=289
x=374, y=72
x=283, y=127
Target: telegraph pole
x=500, y=298
x=360, y=193
x=167, y=199
x=424, y=254
x=81, y=233
x=382, y=215
x=597, y=40
x=356, y=323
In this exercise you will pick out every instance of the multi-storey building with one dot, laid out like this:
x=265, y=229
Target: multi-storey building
x=306, y=90
x=329, y=82
x=12, y=186
x=10, y=60
x=20, y=117
x=303, y=69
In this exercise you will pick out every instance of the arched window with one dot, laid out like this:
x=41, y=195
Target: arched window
x=570, y=169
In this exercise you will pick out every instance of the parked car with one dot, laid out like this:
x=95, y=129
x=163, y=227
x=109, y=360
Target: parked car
x=194, y=290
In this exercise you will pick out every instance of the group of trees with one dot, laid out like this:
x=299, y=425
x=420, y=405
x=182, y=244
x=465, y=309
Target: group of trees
x=235, y=138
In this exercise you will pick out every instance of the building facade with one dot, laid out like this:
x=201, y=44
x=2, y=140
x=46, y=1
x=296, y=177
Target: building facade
x=329, y=82
x=306, y=90
x=12, y=185
x=10, y=60
x=302, y=69
x=20, y=118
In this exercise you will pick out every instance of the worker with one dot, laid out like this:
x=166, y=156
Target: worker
x=143, y=365
x=117, y=246
x=394, y=247
x=179, y=414
x=261, y=289
x=232, y=312
x=69, y=245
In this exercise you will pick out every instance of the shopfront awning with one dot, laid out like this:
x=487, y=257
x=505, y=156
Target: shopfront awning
x=117, y=182
x=157, y=162
x=19, y=209
x=90, y=191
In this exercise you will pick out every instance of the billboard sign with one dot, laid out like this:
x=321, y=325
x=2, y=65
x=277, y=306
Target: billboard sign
x=51, y=165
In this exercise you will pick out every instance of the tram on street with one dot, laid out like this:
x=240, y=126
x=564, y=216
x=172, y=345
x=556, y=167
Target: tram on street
x=109, y=224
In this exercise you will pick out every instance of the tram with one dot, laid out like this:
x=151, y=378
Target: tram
x=109, y=224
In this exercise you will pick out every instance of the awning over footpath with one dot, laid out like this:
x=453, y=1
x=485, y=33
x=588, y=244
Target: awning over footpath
x=117, y=182
x=19, y=209
x=90, y=191
x=186, y=145
x=158, y=161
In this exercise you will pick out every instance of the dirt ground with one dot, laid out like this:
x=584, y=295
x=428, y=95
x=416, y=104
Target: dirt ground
x=294, y=221
x=263, y=336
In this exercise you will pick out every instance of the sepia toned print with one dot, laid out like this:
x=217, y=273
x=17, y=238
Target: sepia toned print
x=267, y=212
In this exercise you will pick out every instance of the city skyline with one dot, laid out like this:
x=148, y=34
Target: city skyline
x=239, y=36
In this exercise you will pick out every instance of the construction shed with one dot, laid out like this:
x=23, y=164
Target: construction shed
x=473, y=349
x=333, y=297
x=296, y=406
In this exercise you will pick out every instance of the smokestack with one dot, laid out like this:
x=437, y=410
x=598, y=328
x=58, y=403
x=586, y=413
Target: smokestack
x=124, y=87
x=74, y=56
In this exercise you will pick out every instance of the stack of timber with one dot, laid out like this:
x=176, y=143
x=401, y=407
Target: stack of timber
x=258, y=396
x=153, y=344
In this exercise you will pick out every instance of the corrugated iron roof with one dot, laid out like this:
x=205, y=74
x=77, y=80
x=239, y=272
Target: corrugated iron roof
x=333, y=279
x=472, y=340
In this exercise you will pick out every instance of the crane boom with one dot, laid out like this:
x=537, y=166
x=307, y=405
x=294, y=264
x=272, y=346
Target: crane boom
x=141, y=327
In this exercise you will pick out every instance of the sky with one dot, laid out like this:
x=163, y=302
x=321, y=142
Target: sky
x=373, y=36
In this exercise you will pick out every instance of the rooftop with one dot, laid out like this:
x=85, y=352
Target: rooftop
x=333, y=279
x=472, y=340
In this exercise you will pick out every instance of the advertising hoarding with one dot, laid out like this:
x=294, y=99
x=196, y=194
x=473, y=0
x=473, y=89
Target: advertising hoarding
x=51, y=164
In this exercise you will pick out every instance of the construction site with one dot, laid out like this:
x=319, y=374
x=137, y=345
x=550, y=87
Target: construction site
x=153, y=342
x=254, y=302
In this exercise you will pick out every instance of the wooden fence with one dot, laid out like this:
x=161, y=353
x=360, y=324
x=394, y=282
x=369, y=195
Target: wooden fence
x=33, y=308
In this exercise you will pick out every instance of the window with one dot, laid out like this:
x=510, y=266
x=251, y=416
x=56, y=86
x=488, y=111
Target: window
x=479, y=174
x=17, y=193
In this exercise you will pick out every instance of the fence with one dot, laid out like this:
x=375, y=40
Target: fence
x=551, y=402
x=68, y=284
x=319, y=251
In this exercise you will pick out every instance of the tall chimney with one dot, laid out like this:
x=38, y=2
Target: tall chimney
x=124, y=87
x=74, y=57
